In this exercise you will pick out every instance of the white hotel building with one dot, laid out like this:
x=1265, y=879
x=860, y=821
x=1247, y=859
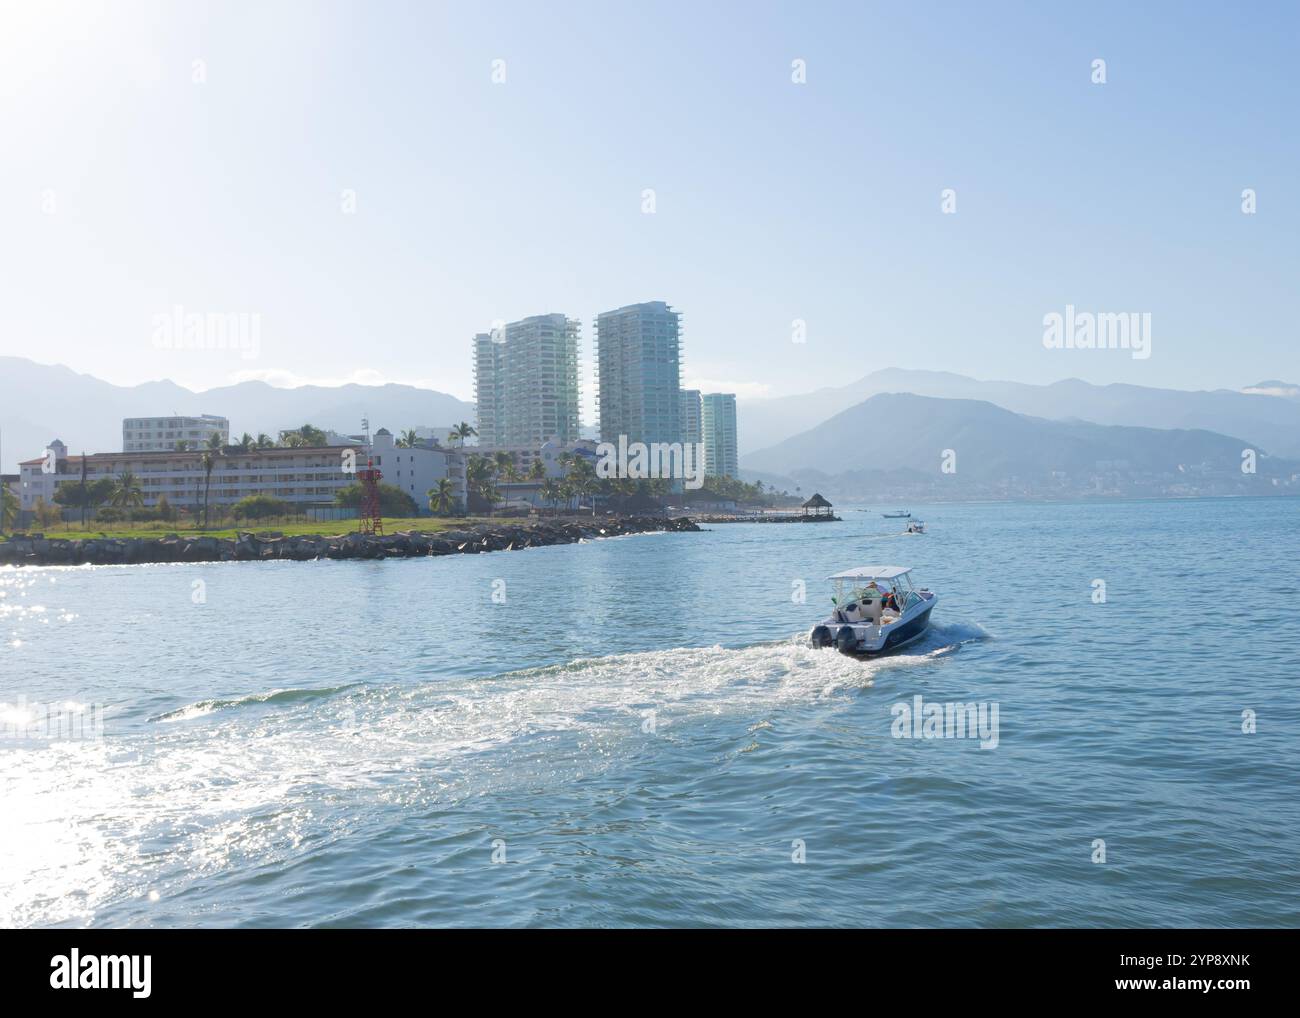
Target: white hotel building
x=692, y=416
x=306, y=476
x=160, y=434
x=526, y=382
x=638, y=363
x=718, y=433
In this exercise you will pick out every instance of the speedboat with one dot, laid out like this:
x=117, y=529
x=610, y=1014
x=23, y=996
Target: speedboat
x=916, y=527
x=900, y=514
x=876, y=609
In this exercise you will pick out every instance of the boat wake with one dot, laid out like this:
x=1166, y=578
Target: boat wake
x=272, y=698
x=456, y=714
x=228, y=785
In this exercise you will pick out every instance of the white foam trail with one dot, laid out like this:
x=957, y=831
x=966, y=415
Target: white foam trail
x=244, y=781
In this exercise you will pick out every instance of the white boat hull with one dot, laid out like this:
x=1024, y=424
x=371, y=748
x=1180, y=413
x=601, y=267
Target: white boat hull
x=865, y=638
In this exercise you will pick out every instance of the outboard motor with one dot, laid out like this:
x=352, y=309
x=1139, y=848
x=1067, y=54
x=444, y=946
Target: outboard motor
x=846, y=641
x=821, y=637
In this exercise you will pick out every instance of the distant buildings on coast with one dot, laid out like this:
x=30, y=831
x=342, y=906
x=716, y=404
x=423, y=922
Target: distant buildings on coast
x=638, y=359
x=526, y=382
x=163, y=434
x=718, y=433
x=692, y=409
x=528, y=395
x=304, y=475
x=527, y=389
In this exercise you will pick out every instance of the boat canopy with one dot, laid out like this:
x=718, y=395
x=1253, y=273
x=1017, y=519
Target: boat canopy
x=872, y=573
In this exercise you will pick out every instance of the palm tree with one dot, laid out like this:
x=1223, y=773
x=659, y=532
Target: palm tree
x=82, y=493
x=264, y=441
x=308, y=434
x=408, y=439
x=583, y=481
x=211, y=454
x=478, y=470
x=461, y=432
x=442, y=499
x=9, y=507
x=552, y=492
x=47, y=516
x=536, y=475
x=505, y=468
x=126, y=491
x=246, y=442
x=479, y=479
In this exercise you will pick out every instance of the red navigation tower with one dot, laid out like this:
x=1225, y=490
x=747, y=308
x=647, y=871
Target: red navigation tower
x=371, y=519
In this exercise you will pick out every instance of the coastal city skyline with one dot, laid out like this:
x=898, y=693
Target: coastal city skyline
x=527, y=410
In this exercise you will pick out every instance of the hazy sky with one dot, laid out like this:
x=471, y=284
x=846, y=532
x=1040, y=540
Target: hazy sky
x=127, y=188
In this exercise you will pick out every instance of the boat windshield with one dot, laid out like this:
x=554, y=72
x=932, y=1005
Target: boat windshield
x=859, y=589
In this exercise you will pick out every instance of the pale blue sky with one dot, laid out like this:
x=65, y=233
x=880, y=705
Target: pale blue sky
x=479, y=201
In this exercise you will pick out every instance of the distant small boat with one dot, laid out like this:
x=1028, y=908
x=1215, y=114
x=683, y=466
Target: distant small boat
x=900, y=514
x=916, y=527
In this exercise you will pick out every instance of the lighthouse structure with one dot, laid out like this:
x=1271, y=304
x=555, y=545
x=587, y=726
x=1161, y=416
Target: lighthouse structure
x=370, y=518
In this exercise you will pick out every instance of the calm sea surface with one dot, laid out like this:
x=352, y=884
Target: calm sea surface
x=640, y=732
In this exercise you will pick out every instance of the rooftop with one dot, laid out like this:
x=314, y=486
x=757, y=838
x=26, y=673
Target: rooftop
x=230, y=452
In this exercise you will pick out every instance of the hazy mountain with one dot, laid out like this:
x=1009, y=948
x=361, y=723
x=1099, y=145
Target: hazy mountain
x=1261, y=419
x=902, y=437
x=41, y=402
x=1272, y=387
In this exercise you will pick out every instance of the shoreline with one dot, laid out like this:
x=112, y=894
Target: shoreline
x=766, y=518
x=38, y=550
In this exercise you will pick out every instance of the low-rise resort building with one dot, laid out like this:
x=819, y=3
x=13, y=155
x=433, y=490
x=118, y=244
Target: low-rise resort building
x=306, y=476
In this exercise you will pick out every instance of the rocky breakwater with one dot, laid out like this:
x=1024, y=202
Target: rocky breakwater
x=38, y=550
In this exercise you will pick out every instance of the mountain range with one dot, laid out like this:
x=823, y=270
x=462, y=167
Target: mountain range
x=1272, y=387
x=901, y=432
x=40, y=402
x=1258, y=416
x=885, y=430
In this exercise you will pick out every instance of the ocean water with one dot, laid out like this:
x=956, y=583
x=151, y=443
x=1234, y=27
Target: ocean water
x=633, y=732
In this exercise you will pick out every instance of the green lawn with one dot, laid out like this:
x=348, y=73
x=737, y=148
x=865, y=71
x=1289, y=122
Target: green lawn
x=428, y=524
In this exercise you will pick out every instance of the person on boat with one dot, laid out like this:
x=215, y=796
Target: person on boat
x=889, y=601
